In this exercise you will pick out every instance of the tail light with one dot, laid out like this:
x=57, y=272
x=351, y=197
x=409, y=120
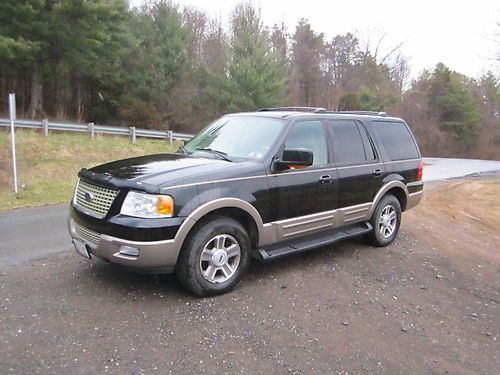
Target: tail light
x=420, y=171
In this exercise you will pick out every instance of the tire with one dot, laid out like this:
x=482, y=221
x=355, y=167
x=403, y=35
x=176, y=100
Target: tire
x=214, y=257
x=386, y=221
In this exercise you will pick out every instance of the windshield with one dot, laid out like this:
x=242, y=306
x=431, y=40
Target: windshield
x=238, y=136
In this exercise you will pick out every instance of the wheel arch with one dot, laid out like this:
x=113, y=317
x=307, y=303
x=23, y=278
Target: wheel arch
x=240, y=210
x=399, y=193
x=396, y=188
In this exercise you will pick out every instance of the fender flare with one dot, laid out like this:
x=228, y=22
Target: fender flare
x=384, y=189
x=213, y=205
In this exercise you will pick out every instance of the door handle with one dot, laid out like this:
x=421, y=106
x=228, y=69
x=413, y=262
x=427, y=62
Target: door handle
x=325, y=179
x=377, y=172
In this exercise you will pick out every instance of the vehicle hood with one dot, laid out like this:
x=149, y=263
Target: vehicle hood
x=152, y=173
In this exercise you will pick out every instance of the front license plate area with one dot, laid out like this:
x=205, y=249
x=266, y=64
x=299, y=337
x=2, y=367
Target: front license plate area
x=81, y=248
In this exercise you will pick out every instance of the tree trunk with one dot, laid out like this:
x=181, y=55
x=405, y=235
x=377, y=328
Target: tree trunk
x=3, y=90
x=60, y=94
x=36, y=102
x=79, y=107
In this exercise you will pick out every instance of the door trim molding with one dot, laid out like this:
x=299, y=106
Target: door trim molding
x=280, y=230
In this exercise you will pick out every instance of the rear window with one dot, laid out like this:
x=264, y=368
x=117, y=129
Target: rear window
x=396, y=139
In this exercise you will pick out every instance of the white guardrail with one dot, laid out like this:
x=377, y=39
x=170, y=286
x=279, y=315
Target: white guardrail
x=132, y=132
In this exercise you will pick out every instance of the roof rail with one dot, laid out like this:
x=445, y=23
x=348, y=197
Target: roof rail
x=322, y=110
x=294, y=109
x=370, y=113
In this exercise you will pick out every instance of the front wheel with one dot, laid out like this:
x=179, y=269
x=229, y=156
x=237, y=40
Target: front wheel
x=215, y=257
x=386, y=221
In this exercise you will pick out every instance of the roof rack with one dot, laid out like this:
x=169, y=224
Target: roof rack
x=322, y=110
x=295, y=109
x=370, y=113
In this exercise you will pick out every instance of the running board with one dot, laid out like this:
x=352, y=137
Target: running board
x=300, y=245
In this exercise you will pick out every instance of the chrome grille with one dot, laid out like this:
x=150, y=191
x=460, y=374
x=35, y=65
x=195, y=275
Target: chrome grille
x=87, y=234
x=102, y=198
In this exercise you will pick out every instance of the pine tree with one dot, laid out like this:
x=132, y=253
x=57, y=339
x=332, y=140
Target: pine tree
x=24, y=36
x=256, y=73
x=457, y=111
x=156, y=63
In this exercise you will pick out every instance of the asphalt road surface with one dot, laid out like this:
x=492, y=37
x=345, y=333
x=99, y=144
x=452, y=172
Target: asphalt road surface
x=31, y=233
x=437, y=169
x=37, y=232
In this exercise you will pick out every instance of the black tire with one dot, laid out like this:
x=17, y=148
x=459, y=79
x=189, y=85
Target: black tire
x=380, y=235
x=189, y=268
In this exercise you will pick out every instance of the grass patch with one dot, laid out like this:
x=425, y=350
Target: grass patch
x=47, y=167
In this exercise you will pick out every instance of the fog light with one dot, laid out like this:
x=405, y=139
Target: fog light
x=129, y=251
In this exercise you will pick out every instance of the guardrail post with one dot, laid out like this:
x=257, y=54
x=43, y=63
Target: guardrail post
x=92, y=130
x=12, y=116
x=45, y=126
x=132, y=134
x=170, y=136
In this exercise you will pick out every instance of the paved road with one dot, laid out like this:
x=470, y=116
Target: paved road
x=32, y=233
x=36, y=232
x=437, y=169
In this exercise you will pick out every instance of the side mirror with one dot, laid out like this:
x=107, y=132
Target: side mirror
x=295, y=158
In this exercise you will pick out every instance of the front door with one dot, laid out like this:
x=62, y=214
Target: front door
x=306, y=191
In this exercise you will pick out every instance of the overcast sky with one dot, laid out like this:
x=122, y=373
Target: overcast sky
x=462, y=34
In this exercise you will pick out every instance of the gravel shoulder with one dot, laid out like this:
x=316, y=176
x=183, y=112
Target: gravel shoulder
x=428, y=304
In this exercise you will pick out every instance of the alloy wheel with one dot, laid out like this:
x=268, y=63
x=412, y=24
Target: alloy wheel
x=387, y=221
x=220, y=258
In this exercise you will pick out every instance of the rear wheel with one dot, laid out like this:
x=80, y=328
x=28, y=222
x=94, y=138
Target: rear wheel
x=386, y=221
x=215, y=257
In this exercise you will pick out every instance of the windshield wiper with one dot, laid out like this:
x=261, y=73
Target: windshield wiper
x=184, y=150
x=221, y=154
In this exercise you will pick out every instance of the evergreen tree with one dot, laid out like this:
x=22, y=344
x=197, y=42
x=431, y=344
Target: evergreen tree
x=88, y=44
x=490, y=91
x=256, y=73
x=456, y=108
x=156, y=63
x=24, y=37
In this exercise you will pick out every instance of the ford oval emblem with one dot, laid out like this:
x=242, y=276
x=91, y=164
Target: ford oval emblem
x=89, y=196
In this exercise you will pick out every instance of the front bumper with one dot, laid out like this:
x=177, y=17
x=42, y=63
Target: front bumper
x=158, y=256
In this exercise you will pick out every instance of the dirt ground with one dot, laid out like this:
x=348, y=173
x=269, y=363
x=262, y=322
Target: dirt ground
x=428, y=304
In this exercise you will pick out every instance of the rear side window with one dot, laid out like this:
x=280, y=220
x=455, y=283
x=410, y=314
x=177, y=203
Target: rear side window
x=369, y=153
x=350, y=142
x=396, y=139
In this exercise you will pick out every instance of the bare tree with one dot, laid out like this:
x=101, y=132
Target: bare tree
x=307, y=49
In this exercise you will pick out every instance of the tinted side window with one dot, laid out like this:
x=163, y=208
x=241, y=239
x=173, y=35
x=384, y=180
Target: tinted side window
x=347, y=142
x=309, y=135
x=396, y=140
x=369, y=153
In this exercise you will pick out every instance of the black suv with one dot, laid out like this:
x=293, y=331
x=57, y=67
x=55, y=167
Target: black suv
x=264, y=184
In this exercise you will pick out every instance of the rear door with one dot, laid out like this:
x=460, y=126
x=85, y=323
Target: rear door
x=358, y=165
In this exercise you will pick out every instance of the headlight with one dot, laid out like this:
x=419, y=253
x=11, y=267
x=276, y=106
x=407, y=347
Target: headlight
x=147, y=205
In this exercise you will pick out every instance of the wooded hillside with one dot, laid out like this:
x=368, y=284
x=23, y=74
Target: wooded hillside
x=163, y=66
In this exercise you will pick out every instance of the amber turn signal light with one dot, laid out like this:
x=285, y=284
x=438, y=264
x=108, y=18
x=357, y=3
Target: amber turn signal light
x=165, y=205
